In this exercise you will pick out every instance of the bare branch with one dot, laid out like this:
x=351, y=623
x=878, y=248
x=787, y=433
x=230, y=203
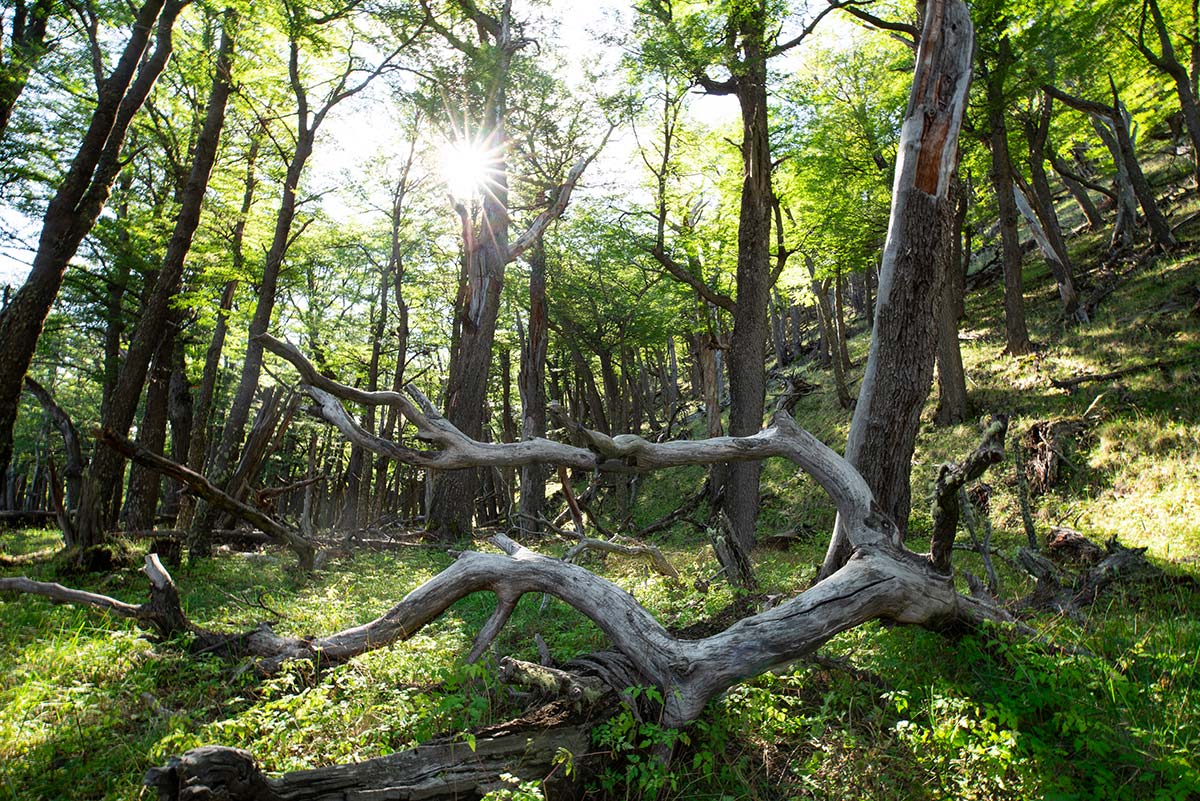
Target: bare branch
x=685, y=275
x=562, y=196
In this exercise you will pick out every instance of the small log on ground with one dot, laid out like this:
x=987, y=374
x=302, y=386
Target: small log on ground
x=450, y=768
x=652, y=554
x=20, y=519
x=1070, y=384
x=552, y=682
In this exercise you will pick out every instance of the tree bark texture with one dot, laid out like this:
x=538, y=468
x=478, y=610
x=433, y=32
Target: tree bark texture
x=748, y=342
x=77, y=202
x=95, y=516
x=141, y=501
x=919, y=242
x=952, y=380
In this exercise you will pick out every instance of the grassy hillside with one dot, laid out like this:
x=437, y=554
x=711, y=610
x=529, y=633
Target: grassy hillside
x=87, y=705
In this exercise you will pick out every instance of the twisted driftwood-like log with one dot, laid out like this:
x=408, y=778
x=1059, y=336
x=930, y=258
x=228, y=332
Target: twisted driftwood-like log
x=881, y=579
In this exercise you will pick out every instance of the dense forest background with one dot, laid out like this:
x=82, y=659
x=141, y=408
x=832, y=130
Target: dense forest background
x=286, y=286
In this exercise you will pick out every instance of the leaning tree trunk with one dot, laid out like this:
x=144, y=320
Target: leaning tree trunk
x=1043, y=205
x=78, y=201
x=1078, y=191
x=900, y=362
x=1125, y=226
x=95, y=515
x=1117, y=119
x=830, y=339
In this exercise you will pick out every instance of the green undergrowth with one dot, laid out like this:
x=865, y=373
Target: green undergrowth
x=87, y=704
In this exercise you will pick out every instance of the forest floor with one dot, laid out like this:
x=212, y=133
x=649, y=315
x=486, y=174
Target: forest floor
x=87, y=705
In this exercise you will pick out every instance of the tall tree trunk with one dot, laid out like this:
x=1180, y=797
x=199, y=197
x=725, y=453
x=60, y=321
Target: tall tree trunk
x=531, y=379
x=1016, y=333
x=778, y=341
x=839, y=282
x=198, y=449
x=395, y=269
x=239, y=409
x=141, y=501
x=78, y=201
x=114, y=300
x=94, y=518
x=952, y=382
x=920, y=231
x=748, y=343
x=180, y=413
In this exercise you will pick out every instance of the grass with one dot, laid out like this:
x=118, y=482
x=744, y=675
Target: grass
x=87, y=705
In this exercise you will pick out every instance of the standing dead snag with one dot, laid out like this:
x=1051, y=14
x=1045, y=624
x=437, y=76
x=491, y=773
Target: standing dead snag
x=915, y=257
x=951, y=479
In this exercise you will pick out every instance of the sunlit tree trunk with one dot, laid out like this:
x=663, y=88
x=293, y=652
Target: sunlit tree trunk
x=78, y=200
x=95, y=516
x=900, y=364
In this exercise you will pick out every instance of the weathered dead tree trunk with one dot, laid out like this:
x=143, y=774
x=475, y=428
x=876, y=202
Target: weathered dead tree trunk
x=882, y=580
x=920, y=239
x=950, y=481
x=449, y=769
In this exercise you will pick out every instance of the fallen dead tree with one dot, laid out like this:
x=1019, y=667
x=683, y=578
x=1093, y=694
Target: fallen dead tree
x=882, y=579
x=450, y=768
x=305, y=550
x=1070, y=593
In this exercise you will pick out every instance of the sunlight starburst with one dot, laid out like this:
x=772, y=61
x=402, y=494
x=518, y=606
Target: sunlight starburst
x=469, y=167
